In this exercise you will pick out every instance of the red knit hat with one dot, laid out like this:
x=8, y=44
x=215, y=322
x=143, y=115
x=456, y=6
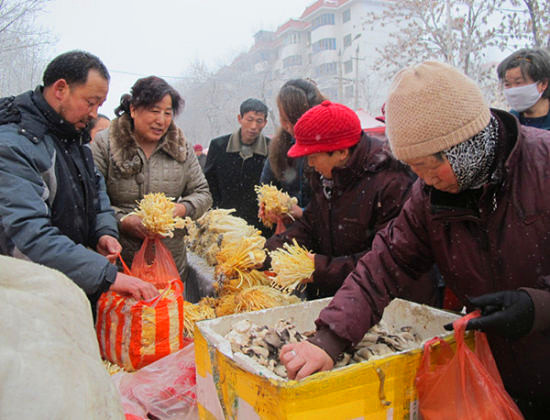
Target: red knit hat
x=325, y=128
x=197, y=148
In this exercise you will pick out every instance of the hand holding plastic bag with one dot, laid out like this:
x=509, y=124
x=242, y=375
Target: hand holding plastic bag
x=165, y=389
x=462, y=385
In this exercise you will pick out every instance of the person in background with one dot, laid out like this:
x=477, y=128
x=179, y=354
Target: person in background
x=290, y=174
x=100, y=123
x=357, y=188
x=235, y=161
x=478, y=210
x=145, y=152
x=525, y=76
x=53, y=206
x=201, y=157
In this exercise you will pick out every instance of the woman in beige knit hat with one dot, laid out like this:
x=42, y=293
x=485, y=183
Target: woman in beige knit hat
x=480, y=211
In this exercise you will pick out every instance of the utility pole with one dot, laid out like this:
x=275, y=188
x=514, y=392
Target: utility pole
x=340, y=87
x=356, y=93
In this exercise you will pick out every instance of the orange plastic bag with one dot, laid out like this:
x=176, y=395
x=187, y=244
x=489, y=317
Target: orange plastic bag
x=154, y=263
x=462, y=385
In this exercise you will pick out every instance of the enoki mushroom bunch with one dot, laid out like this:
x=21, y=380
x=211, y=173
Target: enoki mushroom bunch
x=156, y=212
x=274, y=201
x=291, y=265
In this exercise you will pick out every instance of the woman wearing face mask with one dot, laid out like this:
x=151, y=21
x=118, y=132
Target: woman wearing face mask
x=145, y=152
x=525, y=76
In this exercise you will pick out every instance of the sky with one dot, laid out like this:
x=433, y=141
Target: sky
x=161, y=37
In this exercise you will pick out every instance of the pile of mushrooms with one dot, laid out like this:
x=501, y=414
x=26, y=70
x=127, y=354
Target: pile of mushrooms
x=263, y=343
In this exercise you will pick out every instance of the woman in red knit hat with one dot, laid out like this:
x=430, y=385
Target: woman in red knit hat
x=357, y=188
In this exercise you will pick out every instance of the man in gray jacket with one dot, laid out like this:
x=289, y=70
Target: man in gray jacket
x=53, y=206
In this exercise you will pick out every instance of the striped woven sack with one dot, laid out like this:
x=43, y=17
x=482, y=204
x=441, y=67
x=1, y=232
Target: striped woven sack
x=133, y=333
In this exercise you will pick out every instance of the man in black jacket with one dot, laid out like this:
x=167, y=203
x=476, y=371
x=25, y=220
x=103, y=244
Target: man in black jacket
x=235, y=161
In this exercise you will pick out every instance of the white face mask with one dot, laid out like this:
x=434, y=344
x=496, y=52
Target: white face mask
x=522, y=97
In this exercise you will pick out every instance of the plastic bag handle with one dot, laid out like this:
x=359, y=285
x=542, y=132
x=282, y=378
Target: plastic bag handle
x=460, y=326
x=124, y=266
x=154, y=301
x=426, y=357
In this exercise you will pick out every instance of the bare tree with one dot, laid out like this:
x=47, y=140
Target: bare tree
x=458, y=32
x=531, y=21
x=213, y=98
x=21, y=45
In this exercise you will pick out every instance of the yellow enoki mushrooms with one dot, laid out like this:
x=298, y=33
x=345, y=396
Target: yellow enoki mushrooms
x=196, y=312
x=215, y=229
x=274, y=201
x=237, y=258
x=292, y=265
x=249, y=279
x=157, y=214
x=262, y=297
x=237, y=250
x=226, y=305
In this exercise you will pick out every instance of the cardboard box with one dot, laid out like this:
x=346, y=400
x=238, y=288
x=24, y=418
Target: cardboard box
x=232, y=385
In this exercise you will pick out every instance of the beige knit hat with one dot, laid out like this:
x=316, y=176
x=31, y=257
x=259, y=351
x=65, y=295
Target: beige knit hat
x=432, y=107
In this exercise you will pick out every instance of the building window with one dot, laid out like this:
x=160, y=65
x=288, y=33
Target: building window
x=348, y=66
x=347, y=40
x=292, y=38
x=348, y=91
x=293, y=60
x=326, y=19
x=346, y=15
x=325, y=69
x=324, y=44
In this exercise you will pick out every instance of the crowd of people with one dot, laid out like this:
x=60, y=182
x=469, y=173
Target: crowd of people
x=456, y=193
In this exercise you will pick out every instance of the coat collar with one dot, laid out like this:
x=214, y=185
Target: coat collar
x=507, y=160
x=259, y=147
x=124, y=148
x=370, y=155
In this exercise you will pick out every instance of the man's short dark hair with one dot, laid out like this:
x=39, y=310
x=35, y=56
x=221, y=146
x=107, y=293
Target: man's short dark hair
x=254, y=105
x=73, y=66
x=532, y=62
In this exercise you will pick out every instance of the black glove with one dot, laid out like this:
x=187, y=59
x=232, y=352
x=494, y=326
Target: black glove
x=509, y=313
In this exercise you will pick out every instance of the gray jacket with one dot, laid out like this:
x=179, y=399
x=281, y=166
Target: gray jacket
x=172, y=169
x=53, y=203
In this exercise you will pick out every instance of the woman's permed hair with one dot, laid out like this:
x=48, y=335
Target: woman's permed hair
x=146, y=92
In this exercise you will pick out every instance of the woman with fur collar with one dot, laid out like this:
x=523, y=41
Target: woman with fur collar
x=142, y=152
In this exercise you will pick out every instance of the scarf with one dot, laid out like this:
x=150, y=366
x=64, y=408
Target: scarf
x=327, y=185
x=472, y=160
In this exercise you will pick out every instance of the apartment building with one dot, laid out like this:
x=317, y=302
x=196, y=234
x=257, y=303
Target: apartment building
x=329, y=44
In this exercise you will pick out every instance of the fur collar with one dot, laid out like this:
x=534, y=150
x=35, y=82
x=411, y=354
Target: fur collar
x=124, y=148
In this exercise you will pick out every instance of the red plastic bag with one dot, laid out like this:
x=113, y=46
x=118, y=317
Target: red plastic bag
x=465, y=385
x=154, y=263
x=165, y=390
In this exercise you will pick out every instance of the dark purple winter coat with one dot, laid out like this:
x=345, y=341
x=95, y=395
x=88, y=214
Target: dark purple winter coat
x=368, y=192
x=482, y=243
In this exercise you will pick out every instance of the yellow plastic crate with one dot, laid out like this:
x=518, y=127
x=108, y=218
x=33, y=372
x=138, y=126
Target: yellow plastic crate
x=232, y=386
